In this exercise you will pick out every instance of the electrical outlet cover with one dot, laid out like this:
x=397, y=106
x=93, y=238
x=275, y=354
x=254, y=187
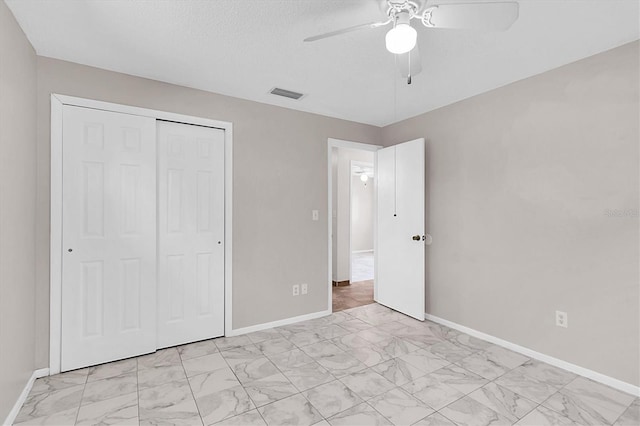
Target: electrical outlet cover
x=562, y=319
x=304, y=288
x=296, y=289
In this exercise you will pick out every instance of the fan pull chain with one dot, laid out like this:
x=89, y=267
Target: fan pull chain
x=409, y=76
x=395, y=182
x=395, y=91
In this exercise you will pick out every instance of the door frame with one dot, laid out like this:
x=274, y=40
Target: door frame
x=339, y=143
x=55, y=255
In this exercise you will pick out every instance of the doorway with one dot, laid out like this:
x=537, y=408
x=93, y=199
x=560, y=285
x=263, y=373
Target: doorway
x=399, y=235
x=361, y=216
x=351, y=224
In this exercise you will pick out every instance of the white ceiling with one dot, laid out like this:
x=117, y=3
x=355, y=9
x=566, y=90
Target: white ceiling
x=243, y=48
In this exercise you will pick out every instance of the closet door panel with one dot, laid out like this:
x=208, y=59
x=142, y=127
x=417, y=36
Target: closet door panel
x=109, y=237
x=190, y=233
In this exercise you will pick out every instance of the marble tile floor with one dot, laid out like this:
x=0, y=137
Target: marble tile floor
x=362, y=266
x=352, y=295
x=362, y=366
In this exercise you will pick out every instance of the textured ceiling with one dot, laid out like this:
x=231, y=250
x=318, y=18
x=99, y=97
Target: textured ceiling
x=243, y=48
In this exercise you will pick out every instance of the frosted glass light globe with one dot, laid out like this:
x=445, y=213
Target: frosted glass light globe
x=401, y=39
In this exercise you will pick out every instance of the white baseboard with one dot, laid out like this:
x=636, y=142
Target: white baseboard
x=362, y=251
x=286, y=321
x=585, y=372
x=43, y=372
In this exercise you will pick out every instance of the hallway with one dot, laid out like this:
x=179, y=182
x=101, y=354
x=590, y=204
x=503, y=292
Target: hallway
x=350, y=296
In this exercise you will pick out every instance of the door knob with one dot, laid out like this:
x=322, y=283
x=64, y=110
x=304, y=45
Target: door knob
x=416, y=238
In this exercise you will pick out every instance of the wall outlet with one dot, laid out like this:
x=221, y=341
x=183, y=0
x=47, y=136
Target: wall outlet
x=296, y=290
x=304, y=288
x=315, y=215
x=562, y=319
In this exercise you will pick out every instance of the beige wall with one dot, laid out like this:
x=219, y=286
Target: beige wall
x=343, y=209
x=17, y=209
x=362, y=212
x=519, y=181
x=280, y=176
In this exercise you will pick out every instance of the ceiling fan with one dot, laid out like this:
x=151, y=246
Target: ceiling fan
x=364, y=172
x=401, y=39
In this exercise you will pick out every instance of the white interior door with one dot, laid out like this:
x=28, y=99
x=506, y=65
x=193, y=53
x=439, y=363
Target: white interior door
x=109, y=237
x=191, y=233
x=400, y=228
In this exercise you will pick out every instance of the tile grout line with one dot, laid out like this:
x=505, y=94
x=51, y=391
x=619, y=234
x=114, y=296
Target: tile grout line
x=335, y=378
x=279, y=372
x=473, y=352
x=294, y=386
x=138, y=392
x=555, y=393
x=314, y=361
x=81, y=396
x=497, y=384
x=557, y=390
x=625, y=410
x=234, y=375
x=186, y=376
x=573, y=380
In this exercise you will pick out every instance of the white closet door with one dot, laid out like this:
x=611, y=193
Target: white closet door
x=191, y=233
x=109, y=237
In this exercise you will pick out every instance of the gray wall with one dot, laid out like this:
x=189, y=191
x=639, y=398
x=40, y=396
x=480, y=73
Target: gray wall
x=362, y=212
x=17, y=209
x=279, y=173
x=519, y=184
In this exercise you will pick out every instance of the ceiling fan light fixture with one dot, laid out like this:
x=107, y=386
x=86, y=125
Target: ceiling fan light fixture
x=402, y=37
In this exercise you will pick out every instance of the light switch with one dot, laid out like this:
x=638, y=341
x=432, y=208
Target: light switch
x=314, y=215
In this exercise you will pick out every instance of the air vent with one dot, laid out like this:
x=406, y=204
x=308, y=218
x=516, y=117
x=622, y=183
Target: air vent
x=286, y=93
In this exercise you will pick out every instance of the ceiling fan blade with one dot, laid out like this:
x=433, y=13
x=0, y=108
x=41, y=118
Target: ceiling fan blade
x=496, y=16
x=348, y=30
x=409, y=64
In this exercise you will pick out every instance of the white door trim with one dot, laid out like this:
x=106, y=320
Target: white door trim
x=55, y=273
x=339, y=143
